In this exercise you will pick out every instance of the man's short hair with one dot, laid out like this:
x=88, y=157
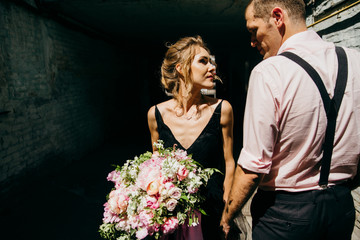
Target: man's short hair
x=295, y=8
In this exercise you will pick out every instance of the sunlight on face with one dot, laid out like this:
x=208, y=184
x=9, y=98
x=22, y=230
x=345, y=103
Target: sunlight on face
x=202, y=70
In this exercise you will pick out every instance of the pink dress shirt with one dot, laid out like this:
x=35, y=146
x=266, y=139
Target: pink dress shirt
x=285, y=121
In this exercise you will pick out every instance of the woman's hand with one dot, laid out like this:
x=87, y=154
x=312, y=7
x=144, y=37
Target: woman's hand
x=224, y=224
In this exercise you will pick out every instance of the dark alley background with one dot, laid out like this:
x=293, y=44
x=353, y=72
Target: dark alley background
x=76, y=81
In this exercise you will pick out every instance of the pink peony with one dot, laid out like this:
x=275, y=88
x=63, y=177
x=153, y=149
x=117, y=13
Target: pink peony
x=118, y=201
x=182, y=173
x=170, y=225
x=109, y=216
x=133, y=221
x=149, y=172
x=145, y=218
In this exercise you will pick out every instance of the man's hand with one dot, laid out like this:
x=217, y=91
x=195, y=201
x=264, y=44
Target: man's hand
x=244, y=184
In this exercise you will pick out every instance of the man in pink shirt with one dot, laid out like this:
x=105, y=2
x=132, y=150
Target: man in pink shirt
x=286, y=119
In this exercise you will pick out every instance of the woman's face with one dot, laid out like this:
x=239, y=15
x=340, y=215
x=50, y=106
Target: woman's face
x=202, y=70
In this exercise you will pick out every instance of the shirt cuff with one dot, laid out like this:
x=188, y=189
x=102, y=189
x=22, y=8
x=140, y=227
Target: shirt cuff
x=254, y=164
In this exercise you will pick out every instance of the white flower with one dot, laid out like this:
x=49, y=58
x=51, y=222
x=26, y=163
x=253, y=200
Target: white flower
x=171, y=204
x=175, y=193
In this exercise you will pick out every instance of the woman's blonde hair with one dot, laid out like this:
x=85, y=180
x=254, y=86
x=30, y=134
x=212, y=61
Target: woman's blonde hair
x=183, y=53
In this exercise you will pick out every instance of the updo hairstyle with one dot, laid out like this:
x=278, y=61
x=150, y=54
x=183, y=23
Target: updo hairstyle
x=182, y=52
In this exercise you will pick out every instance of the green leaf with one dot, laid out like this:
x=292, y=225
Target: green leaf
x=202, y=211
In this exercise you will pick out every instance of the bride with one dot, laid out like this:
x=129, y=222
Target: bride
x=201, y=125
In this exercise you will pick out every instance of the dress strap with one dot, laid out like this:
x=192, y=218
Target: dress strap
x=159, y=119
x=218, y=107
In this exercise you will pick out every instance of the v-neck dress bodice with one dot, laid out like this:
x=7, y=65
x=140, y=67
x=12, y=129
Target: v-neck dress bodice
x=207, y=149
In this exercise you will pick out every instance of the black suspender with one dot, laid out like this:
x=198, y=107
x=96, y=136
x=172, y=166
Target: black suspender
x=332, y=106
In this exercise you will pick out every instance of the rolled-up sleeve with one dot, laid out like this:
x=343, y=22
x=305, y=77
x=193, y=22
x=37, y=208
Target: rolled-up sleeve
x=260, y=122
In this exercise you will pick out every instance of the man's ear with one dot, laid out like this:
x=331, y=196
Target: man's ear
x=277, y=15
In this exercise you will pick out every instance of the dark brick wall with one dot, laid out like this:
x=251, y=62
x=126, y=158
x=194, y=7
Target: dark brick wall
x=60, y=86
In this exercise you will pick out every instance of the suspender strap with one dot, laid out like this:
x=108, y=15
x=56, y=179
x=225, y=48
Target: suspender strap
x=331, y=106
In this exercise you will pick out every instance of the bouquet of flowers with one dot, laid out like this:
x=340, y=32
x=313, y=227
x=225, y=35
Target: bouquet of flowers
x=154, y=194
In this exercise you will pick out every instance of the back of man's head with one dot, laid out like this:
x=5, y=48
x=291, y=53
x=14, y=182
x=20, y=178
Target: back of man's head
x=295, y=9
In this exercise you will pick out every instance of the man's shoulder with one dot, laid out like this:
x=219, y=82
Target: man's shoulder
x=274, y=63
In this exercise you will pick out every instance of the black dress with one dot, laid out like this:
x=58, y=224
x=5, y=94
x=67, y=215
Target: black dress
x=207, y=149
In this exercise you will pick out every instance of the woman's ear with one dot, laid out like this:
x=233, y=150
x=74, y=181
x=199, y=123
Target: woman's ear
x=178, y=68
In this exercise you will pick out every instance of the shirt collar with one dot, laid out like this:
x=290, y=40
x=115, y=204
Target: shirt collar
x=299, y=40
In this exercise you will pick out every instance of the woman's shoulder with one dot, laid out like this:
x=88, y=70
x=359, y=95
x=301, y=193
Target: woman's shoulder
x=162, y=107
x=225, y=105
x=226, y=110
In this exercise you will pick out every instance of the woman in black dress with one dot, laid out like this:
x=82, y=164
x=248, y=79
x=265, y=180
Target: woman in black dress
x=201, y=125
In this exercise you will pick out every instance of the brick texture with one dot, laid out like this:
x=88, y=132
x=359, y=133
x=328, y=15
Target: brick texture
x=55, y=82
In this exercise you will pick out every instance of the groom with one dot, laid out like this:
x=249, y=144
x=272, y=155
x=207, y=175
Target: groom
x=284, y=131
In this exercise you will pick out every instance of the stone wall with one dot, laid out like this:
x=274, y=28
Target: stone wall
x=54, y=83
x=338, y=21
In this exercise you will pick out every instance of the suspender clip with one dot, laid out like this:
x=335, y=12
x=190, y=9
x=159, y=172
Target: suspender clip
x=324, y=186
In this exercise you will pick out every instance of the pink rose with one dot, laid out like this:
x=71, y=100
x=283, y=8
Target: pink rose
x=171, y=204
x=182, y=173
x=192, y=190
x=152, y=202
x=166, y=188
x=175, y=193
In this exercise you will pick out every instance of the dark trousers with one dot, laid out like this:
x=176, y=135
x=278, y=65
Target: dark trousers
x=318, y=214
